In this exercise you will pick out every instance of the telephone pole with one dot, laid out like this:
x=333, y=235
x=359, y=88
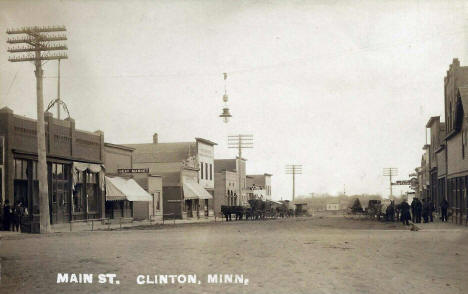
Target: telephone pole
x=390, y=172
x=36, y=44
x=294, y=169
x=240, y=142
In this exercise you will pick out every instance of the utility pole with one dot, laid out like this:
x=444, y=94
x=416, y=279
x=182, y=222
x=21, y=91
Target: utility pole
x=294, y=169
x=240, y=142
x=390, y=172
x=37, y=41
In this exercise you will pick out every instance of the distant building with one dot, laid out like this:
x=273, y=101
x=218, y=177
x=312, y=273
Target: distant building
x=226, y=182
x=259, y=186
x=333, y=206
x=225, y=189
x=425, y=173
x=437, y=164
x=187, y=171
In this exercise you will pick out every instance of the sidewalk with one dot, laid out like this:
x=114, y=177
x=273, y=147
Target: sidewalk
x=116, y=224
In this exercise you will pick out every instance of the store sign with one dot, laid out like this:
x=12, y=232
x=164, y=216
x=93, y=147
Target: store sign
x=133, y=170
x=402, y=183
x=412, y=182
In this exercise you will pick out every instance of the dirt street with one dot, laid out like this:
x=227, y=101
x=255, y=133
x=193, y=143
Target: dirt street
x=303, y=255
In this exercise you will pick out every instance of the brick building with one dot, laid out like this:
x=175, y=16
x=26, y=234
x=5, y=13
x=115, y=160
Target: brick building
x=456, y=112
x=226, y=183
x=74, y=164
x=446, y=158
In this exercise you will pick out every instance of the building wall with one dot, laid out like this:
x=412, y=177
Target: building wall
x=172, y=202
x=225, y=185
x=206, y=157
x=153, y=185
x=457, y=164
x=155, y=188
x=231, y=166
x=64, y=145
x=456, y=76
x=116, y=158
x=441, y=164
x=140, y=210
x=170, y=171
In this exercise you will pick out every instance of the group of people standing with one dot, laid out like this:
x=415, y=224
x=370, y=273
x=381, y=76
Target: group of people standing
x=417, y=211
x=424, y=209
x=11, y=215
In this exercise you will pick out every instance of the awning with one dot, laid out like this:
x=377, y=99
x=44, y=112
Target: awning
x=193, y=190
x=118, y=188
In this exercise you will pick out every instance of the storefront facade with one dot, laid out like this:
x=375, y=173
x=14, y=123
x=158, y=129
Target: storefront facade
x=187, y=173
x=75, y=174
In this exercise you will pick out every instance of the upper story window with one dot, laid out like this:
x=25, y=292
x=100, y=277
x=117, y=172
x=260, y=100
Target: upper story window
x=464, y=142
x=450, y=116
x=201, y=170
x=211, y=171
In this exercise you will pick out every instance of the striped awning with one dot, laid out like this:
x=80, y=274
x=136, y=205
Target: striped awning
x=193, y=190
x=118, y=188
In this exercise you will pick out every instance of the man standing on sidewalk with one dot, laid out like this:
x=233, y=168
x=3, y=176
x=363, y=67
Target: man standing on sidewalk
x=431, y=211
x=405, y=212
x=443, y=209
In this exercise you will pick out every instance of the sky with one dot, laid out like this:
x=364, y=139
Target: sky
x=344, y=88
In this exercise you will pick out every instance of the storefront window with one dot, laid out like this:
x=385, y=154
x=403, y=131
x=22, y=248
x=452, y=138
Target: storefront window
x=20, y=169
x=34, y=170
x=91, y=191
x=78, y=199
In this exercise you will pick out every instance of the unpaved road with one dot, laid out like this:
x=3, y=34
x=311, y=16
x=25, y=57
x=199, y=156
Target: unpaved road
x=312, y=255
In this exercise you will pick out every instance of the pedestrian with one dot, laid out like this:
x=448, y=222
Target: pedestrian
x=425, y=210
x=431, y=210
x=390, y=212
x=18, y=213
x=7, y=215
x=413, y=209
x=443, y=209
x=405, y=212
x=418, y=210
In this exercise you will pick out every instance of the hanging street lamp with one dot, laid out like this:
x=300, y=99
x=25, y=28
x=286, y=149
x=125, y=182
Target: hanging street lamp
x=225, y=114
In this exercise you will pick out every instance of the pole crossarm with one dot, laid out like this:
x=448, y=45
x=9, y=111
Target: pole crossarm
x=46, y=47
x=36, y=40
x=36, y=29
x=33, y=58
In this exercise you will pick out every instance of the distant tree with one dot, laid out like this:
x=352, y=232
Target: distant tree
x=356, y=206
